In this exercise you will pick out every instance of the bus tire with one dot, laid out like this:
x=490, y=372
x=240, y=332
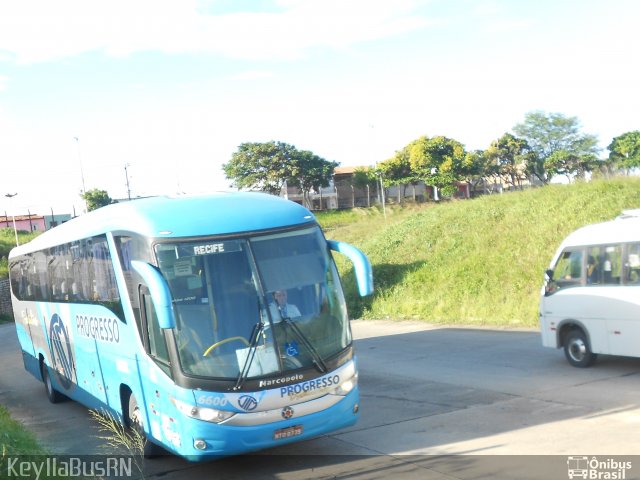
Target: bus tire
x=53, y=395
x=577, y=351
x=135, y=421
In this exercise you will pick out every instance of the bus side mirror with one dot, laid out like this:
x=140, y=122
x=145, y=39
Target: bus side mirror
x=159, y=291
x=361, y=264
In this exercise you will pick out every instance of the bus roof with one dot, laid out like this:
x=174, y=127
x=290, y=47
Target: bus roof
x=623, y=229
x=173, y=217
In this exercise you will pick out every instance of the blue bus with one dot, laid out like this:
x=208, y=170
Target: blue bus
x=169, y=314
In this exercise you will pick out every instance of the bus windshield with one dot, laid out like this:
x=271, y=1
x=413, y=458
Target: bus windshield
x=255, y=306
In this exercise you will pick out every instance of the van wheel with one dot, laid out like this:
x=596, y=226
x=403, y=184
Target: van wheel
x=53, y=395
x=135, y=421
x=577, y=351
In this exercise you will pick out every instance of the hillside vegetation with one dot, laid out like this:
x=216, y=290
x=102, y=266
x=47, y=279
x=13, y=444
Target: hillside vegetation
x=476, y=262
x=7, y=242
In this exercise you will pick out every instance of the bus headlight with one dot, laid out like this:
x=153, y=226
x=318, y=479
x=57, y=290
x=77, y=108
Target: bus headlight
x=202, y=413
x=346, y=386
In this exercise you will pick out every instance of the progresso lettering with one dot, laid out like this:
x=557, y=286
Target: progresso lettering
x=98, y=328
x=310, y=386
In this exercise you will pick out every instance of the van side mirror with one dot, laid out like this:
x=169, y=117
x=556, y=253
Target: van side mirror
x=361, y=265
x=549, y=274
x=159, y=291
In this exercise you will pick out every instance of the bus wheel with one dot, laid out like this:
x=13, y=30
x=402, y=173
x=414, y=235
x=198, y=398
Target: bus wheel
x=577, y=351
x=53, y=395
x=135, y=420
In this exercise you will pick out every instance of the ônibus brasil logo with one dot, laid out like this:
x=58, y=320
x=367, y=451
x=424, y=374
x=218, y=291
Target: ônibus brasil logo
x=594, y=468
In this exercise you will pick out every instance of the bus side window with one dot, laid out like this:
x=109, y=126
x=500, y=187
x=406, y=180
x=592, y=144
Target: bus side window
x=632, y=264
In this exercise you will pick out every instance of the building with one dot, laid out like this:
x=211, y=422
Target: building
x=27, y=223
x=342, y=193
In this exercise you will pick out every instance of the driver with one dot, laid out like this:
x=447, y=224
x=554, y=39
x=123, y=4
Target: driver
x=280, y=309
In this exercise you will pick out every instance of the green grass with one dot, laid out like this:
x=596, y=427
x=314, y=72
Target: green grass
x=477, y=262
x=15, y=439
x=7, y=242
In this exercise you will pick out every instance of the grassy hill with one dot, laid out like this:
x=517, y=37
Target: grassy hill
x=7, y=242
x=478, y=262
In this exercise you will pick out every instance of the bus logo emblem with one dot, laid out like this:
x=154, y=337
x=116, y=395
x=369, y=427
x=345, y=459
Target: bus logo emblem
x=287, y=413
x=61, y=355
x=247, y=402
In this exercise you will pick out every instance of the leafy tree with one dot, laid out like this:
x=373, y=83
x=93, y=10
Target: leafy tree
x=397, y=171
x=510, y=154
x=267, y=166
x=438, y=161
x=562, y=162
x=548, y=133
x=624, y=150
x=313, y=173
x=478, y=167
x=364, y=177
x=262, y=166
x=96, y=198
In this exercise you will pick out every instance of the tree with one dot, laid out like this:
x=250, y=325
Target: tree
x=262, y=166
x=562, y=162
x=624, y=150
x=549, y=133
x=313, y=173
x=478, y=167
x=397, y=171
x=267, y=166
x=96, y=198
x=438, y=161
x=510, y=156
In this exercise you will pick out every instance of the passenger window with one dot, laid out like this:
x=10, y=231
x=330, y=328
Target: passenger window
x=612, y=265
x=632, y=264
x=594, y=265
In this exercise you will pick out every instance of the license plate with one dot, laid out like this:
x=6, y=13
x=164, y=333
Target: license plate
x=287, y=432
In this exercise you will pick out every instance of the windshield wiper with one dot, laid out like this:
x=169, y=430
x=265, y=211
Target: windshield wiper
x=317, y=358
x=255, y=336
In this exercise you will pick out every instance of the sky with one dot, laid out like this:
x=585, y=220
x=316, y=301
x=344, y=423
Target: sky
x=162, y=92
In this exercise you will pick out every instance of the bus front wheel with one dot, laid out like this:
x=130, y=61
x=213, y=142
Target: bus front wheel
x=135, y=421
x=53, y=395
x=577, y=351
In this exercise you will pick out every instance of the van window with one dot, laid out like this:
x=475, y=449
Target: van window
x=632, y=264
x=568, y=270
x=595, y=256
x=612, y=265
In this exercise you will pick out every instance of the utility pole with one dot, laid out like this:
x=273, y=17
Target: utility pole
x=80, y=161
x=15, y=230
x=84, y=190
x=126, y=175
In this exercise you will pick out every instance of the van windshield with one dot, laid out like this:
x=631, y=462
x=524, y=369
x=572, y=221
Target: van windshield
x=284, y=286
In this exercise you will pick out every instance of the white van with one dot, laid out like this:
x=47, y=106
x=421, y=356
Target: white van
x=590, y=302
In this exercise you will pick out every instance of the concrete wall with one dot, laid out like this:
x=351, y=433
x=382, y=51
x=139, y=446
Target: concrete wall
x=5, y=297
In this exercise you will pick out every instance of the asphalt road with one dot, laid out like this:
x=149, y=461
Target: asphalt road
x=436, y=403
